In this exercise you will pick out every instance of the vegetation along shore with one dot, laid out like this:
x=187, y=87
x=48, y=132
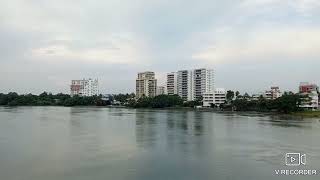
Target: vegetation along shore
x=288, y=103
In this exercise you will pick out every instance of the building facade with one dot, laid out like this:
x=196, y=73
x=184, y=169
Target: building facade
x=146, y=84
x=208, y=99
x=273, y=93
x=218, y=97
x=172, y=83
x=311, y=95
x=306, y=87
x=203, y=82
x=85, y=87
x=185, y=84
x=191, y=84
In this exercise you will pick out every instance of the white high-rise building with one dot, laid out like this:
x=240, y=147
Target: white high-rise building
x=203, y=82
x=85, y=87
x=185, y=85
x=172, y=85
x=191, y=84
x=146, y=84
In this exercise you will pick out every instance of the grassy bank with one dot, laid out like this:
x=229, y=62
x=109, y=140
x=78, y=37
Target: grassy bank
x=310, y=114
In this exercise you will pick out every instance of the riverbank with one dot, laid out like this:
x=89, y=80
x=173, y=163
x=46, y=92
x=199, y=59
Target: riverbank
x=304, y=114
x=310, y=114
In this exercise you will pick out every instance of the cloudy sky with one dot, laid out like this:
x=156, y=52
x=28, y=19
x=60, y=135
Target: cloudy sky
x=251, y=44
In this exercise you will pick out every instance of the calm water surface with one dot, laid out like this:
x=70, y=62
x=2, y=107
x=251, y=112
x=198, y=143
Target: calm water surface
x=59, y=143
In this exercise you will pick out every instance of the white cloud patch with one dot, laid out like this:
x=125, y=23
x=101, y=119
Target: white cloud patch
x=263, y=44
x=303, y=7
x=116, y=50
x=81, y=38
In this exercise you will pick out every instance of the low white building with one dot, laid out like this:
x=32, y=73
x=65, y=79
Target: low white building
x=273, y=93
x=256, y=97
x=310, y=91
x=85, y=87
x=311, y=101
x=216, y=98
x=220, y=96
x=208, y=99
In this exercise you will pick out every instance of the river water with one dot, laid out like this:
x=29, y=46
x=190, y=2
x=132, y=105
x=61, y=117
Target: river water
x=88, y=143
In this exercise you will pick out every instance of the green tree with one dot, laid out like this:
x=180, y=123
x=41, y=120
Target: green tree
x=230, y=95
x=237, y=93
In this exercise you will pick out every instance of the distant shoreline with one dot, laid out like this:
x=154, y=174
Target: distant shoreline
x=305, y=114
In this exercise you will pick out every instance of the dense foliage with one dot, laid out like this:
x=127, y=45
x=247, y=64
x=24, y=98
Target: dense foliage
x=289, y=102
x=46, y=99
x=123, y=98
x=161, y=101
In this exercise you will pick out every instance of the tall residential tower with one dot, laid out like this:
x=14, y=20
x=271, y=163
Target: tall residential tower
x=172, y=86
x=185, y=85
x=203, y=82
x=192, y=84
x=146, y=84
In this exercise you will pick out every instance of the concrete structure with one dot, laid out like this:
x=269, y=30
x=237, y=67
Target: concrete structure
x=310, y=91
x=208, y=99
x=203, y=82
x=172, y=84
x=218, y=97
x=272, y=94
x=146, y=84
x=160, y=90
x=311, y=100
x=256, y=97
x=185, y=85
x=192, y=84
x=306, y=87
x=85, y=87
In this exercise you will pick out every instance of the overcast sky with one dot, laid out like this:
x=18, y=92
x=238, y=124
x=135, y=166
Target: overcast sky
x=251, y=44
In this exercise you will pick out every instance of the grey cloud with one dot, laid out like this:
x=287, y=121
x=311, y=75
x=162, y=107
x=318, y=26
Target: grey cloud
x=156, y=35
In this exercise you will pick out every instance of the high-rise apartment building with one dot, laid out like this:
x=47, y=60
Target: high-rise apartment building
x=192, y=84
x=146, y=84
x=85, y=87
x=185, y=84
x=203, y=82
x=172, y=85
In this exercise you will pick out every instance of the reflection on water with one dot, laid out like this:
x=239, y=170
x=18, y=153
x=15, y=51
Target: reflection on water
x=287, y=121
x=104, y=143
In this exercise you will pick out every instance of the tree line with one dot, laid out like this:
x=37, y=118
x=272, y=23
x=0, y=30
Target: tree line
x=47, y=99
x=288, y=102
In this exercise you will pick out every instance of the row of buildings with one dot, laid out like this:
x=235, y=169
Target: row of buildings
x=309, y=92
x=271, y=94
x=190, y=85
